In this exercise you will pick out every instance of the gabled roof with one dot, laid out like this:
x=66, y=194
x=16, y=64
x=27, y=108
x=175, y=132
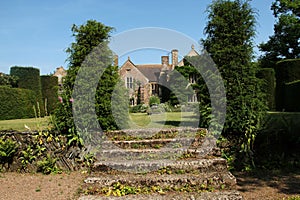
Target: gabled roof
x=191, y=53
x=151, y=71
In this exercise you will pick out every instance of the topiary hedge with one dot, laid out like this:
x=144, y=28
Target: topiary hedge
x=16, y=103
x=49, y=92
x=268, y=87
x=277, y=143
x=292, y=96
x=286, y=71
x=29, y=78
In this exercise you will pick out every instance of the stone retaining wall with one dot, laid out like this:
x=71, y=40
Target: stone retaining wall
x=68, y=158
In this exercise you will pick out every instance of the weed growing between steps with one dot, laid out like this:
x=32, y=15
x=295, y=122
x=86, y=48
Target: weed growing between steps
x=119, y=189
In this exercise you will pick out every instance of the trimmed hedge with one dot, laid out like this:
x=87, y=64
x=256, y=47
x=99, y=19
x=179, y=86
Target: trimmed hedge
x=286, y=71
x=277, y=144
x=29, y=78
x=16, y=103
x=49, y=92
x=268, y=87
x=292, y=96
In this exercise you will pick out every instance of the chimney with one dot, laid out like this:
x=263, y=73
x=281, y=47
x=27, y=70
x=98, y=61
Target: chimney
x=174, y=58
x=116, y=60
x=165, y=60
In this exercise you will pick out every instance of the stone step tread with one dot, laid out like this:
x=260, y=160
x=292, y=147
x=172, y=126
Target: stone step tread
x=140, y=166
x=150, y=140
x=218, y=195
x=148, y=150
x=216, y=180
x=187, y=162
x=154, y=154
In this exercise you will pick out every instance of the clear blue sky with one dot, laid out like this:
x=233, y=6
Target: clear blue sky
x=36, y=33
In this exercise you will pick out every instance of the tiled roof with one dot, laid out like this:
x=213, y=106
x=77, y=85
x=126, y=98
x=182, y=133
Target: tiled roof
x=151, y=71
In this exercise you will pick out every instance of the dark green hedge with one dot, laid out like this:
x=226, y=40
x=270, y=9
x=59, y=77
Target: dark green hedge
x=16, y=103
x=277, y=144
x=29, y=78
x=49, y=92
x=292, y=96
x=286, y=71
x=268, y=87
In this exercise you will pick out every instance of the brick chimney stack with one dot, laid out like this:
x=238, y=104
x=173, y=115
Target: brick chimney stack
x=165, y=60
x=174, y=58
x=116, y=60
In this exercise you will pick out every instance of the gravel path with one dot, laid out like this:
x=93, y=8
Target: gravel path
x=17, y=186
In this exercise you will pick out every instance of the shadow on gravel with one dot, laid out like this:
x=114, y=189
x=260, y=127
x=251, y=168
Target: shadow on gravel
x=287, y=183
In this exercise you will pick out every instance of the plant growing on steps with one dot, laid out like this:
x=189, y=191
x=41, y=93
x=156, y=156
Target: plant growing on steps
x=8, y=148
x=27, y=157
x=48, y=165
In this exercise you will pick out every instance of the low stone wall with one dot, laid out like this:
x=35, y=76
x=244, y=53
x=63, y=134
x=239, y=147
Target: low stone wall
x=68, y=158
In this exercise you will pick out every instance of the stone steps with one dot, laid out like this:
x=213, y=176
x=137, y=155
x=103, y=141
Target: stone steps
x=165, y=168
x=219, y=195
x=149, y=143
x=213, y=180
x=142, y=166
x=150, y=154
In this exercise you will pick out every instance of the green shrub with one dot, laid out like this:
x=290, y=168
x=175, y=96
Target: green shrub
x=141, y=108
x=16, y=103
x=49, y=92
x=292, y=96
x=286, y=71
x=47, y=165
x=8, y=148
x=8, y=80
x=154, y=100
x=268, y=87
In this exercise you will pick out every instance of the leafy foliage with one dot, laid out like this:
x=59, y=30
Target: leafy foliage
x=154, y=100
x=48, y=165
x=285, y=43
x=8, y=148
x=10, y=81
x=229, y=41
x=90, y=54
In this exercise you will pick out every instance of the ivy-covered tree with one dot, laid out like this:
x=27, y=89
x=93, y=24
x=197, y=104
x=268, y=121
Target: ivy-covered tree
x=230, y=31
x=285, y=43
x=90, y=84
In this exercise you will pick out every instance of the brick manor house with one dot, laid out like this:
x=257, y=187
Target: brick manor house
x=143, y=79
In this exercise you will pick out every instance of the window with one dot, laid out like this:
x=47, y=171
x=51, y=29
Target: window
x=193, y=78
x=154, y=88
x=192, y=98
x=129, y=82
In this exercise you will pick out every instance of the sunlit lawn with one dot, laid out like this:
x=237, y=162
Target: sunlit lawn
x=165, y=120
x=137, y=120
x=19, y=124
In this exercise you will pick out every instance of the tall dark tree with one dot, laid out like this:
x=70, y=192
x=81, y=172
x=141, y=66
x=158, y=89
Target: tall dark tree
x=285, y=43
x=90, y=84
x=230, y=31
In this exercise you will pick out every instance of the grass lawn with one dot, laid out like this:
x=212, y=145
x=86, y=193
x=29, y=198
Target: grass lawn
x=164, y=120
x=19, y=124
x=138, y=120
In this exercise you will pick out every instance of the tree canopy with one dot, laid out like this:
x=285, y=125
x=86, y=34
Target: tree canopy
x=285, y=43
x=230, y=31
